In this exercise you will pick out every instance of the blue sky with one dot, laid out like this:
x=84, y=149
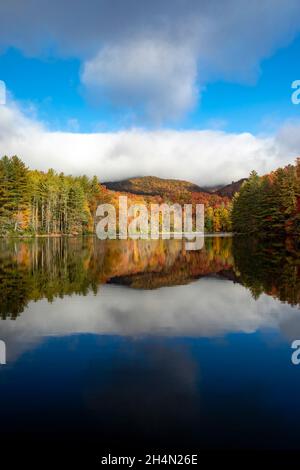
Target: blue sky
x=254, y=107
x=52, y=86
x=189, y=89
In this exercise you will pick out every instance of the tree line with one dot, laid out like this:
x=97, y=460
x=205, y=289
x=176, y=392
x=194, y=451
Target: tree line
x=270, y=204
x=48, y=203
x=36, y=202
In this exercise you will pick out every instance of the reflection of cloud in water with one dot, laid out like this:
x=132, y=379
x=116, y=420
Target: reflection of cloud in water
x=206, y=308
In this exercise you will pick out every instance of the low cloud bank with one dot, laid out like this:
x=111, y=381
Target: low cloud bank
x=205, y=157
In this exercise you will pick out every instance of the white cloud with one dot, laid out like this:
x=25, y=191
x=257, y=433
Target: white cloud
x=204, y=157
x=156, y=75
x=288, y=137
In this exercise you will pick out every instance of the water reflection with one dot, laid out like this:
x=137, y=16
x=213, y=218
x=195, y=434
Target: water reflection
x=123, y=288
x=145, y=344
x=271, y=267
x=56, y=267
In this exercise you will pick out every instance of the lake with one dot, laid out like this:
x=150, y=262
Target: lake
x=141, y=346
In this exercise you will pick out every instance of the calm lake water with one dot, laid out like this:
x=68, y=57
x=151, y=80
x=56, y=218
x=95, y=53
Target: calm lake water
x=139, y=346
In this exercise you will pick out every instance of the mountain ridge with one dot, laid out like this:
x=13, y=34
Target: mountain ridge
x=155, y=186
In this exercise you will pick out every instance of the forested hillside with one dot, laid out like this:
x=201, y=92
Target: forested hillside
x=158, y=190
x=49, y=203
x=45, y=203
x=153, y=186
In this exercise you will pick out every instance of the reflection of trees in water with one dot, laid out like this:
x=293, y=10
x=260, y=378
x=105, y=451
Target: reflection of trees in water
x=167, y=263
x=15, y=286
x=272, y=267
x=55, y=267
x=44, y=268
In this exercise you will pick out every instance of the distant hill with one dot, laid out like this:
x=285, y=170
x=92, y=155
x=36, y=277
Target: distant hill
x=153, y=186
x=212, y=189
x=230, y=189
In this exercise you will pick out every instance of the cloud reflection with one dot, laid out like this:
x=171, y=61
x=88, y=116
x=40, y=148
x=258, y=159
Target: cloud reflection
x=188, y=310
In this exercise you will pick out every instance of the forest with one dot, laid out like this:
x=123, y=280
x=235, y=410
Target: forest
x=34, y=203
x=269, y=205
x=49, y=203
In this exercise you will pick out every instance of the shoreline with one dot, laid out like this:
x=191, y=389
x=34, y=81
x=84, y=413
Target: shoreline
x=68, y=235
